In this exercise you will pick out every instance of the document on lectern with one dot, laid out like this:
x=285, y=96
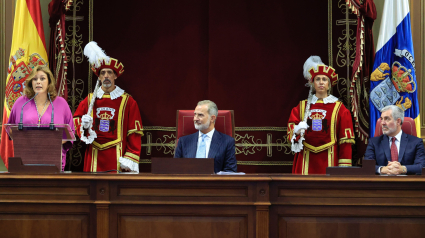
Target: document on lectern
x=230, y=173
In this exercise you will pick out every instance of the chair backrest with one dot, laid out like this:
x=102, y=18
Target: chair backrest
x=225, y=123
x=408, y=127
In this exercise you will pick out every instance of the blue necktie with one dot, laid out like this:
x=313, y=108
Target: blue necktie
x=201, y=152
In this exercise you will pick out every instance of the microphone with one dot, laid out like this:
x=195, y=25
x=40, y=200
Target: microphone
x=21, y=125
x=51, y=127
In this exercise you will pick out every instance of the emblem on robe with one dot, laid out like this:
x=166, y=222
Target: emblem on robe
x=104, y=122
x=104, y=119
x=317, y=121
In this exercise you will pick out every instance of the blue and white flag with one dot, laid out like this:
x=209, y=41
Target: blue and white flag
x=393, y=81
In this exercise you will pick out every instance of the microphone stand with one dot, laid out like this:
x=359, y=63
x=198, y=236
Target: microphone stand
x=52, y=126
x=20, y=124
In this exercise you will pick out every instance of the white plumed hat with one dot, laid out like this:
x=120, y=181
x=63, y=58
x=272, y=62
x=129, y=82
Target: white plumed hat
x=99, y=60
x=95, y=54
x=314, y=66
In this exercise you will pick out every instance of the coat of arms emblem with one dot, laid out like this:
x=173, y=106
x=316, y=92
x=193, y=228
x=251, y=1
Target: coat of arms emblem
x=104, y=119
x=18, y=73
x=317, y=118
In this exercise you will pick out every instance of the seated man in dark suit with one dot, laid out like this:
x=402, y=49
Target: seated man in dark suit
x=208, y=143
x=395, y=152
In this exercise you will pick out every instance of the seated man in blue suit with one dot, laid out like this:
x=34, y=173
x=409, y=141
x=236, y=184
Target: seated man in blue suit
x=208, y=143
x=395, y=152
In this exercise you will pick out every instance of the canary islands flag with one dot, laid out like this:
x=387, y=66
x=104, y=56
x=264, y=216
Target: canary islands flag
x=393, y=80
x=28, y=50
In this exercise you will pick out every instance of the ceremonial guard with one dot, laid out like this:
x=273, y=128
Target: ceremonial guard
x=320, y=129
x=114, y=136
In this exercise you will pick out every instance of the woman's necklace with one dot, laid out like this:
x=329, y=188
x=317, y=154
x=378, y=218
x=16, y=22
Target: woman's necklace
x=42, y=112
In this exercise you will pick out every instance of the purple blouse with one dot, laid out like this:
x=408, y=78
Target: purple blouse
x=62, y=115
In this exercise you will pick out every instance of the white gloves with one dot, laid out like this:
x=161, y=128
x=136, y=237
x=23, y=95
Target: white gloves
x=129, y=165
x=301, y=125
x=298, y=146
x=86, y=121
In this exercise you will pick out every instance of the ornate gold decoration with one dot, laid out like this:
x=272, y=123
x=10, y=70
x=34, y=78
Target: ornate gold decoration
x=404, y=106
x=270, y=163
x=35, y=60
x=76, y=158
x=105, y=116
x=247, y=144
x=317, y=116
x=167, y=143
x=345, y=46
x=158, y=128
x=402, y=78
x=378, y=73
x=280, y=163
x=74, y=51
x=267, y=128
x=244, y=144
x=342, y=89
x=74, y=41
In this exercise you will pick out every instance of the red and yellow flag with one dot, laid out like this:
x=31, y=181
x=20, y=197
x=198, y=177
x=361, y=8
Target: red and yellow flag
x=28, y=50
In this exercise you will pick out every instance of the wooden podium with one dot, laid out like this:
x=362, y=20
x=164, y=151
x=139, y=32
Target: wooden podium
x=38, y=148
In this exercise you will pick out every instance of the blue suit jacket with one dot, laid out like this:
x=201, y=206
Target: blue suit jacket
x=411, y=153
x=222, y=149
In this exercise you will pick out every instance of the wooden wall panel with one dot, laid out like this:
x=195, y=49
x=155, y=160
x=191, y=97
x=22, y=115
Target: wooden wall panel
x=44, y=221
x=182, y=221
x=187, y=191
x=182, y=226
x=43, y=226
x=334, y=192
x=344, y=227
x=166, y=191
x=44, y=190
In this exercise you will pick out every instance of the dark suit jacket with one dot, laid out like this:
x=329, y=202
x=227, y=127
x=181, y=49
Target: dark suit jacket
x=411, y=153
x=222, y=149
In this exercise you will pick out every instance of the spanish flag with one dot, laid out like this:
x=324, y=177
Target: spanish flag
x=28, y=50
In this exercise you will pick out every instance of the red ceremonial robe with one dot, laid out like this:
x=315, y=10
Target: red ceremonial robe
x=119, y=130
x=327, y=140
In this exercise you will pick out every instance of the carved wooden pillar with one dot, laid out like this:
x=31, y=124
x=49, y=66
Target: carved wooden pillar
x=102, y=209
x=262, y=210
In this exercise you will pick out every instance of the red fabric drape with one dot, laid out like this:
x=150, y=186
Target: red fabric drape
x=57, y=9
x=365, y=55
x=244, y=55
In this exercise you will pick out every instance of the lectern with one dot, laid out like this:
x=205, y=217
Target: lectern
x=39, y=147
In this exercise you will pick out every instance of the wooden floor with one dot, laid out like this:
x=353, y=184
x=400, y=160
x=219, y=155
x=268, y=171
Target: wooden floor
x=264, y=205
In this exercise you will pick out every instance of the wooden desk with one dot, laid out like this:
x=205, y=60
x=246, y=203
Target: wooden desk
x=146, y=205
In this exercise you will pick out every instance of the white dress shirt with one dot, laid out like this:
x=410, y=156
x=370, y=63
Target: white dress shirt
x=208, y=140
